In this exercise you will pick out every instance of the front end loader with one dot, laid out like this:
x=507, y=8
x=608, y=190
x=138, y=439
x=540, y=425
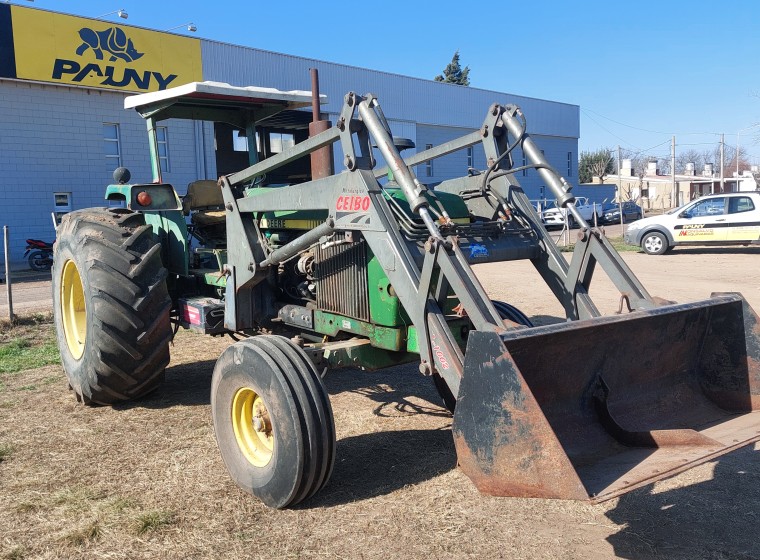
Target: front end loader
x=369, y=267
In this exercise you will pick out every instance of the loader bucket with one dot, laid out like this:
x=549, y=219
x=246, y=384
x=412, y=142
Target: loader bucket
x=592, y=409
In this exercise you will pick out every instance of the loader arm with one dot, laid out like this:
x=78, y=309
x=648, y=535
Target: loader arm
x=590, y=248
x=418, y=287
x=530, y=420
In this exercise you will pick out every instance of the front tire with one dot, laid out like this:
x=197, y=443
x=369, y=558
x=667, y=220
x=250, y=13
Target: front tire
x=654, y=243
x=272, y=420
x=111, y=305
x=512, y=313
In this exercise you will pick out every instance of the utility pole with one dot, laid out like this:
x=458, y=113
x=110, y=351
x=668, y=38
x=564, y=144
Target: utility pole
x=620, y=188
x=722, y=158
x=673, y=171
x=737, y=157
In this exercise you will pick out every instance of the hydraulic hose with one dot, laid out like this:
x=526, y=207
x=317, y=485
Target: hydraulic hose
x=401, y=174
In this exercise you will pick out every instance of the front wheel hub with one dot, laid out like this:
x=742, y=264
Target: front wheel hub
x=253, y=427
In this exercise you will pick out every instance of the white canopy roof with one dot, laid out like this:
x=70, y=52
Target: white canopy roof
x=221, y=91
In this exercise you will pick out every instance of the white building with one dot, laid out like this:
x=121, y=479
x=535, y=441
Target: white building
x=63, y=128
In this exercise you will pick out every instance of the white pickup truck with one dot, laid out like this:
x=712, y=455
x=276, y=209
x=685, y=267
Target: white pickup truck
x=555, y=217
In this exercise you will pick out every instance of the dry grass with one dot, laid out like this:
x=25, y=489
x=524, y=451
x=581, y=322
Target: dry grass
x=154, y=520
x=5, y=451
x=145, y=480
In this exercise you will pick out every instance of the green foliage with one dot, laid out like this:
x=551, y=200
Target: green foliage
x=595, y=164
x=454, y=73
x=24, y=353
x=617, y=242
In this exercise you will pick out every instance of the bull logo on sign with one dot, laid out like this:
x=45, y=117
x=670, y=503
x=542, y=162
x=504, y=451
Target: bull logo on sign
x=112, y=41
x=114, y=44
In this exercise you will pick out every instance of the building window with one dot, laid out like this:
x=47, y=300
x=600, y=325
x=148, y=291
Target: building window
x=111, y=144
x=428, y=164
x=279, y=142
x=61, y=205
x=162, y=141
x=470, y=158
x=569, y=164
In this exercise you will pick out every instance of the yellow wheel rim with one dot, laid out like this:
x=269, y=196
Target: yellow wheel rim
x=73, y=309
x=253, y=427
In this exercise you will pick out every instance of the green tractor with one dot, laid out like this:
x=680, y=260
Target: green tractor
x=368, y=267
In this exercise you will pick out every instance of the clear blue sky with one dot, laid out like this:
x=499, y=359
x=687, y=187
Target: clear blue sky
x=640, y=71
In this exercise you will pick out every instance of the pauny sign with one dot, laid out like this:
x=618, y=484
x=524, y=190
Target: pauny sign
x=50, y=47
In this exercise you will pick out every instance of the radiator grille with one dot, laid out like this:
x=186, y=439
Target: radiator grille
x=340, y=272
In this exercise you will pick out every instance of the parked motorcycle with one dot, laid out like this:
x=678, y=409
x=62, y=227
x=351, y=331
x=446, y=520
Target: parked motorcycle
x=39, y=255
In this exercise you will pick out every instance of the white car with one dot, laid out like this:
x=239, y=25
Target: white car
x=556, y=216
x=717, y=219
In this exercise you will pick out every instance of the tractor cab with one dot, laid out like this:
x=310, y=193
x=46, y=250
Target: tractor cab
x=249, y=124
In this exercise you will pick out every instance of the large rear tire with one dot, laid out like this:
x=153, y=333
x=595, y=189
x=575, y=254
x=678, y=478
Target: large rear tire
x=272, y=420
x=111, y=305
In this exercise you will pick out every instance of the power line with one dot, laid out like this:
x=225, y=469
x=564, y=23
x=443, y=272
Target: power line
x=647, y=151
x=700, y=144
x=638, y=151
x=611, y=133
x=644, y=129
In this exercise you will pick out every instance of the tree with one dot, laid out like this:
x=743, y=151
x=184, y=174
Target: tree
x=689, y=156
x=712, y=155
x=594, y=164
x=454, y=73
x=730, y=160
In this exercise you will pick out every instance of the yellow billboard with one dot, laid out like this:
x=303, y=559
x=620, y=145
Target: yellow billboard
x=65, y=49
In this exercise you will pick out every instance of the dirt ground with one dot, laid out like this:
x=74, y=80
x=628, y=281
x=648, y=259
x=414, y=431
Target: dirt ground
x=145, y=480
x=30, y=293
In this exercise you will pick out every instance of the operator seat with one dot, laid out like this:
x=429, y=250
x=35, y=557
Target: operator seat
x=205, y=206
